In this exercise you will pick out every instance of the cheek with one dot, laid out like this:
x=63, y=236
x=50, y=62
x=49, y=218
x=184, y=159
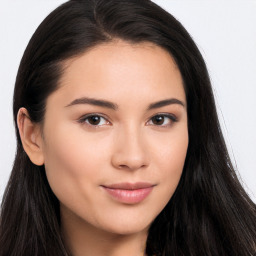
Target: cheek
x=71, y=162
x=170, y=161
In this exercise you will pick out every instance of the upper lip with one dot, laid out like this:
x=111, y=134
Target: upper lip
x=129, y=186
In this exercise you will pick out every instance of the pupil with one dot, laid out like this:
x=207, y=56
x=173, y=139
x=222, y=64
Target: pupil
x=158, y=120
x=94, y=120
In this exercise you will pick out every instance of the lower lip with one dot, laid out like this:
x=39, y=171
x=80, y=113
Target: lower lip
x=129, y=196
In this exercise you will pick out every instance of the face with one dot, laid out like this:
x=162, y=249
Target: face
x=115, y=136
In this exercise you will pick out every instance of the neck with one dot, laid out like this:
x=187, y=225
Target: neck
x=84, y=239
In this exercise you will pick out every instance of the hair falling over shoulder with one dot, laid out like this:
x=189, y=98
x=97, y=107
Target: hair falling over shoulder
x=209, y=214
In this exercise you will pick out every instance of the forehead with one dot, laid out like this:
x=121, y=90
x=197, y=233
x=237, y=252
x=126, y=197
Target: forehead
x=121, y=70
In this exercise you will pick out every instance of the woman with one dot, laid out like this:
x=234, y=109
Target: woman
x=119, y=149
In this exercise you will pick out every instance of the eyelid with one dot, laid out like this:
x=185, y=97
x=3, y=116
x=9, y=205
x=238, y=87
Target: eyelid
x=83, y=118
x=172, y=118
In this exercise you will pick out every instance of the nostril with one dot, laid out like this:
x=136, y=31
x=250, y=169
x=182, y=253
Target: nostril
x=132, y=156
x=122, y=166
x=131, y=167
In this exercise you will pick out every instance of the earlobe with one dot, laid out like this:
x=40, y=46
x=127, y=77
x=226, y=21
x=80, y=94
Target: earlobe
x=31, y=137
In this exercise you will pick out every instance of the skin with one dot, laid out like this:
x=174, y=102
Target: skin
x=127, y=145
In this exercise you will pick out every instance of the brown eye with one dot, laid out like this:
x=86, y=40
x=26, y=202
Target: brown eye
x=162, y=120
x=94, y=120
x=158, y=120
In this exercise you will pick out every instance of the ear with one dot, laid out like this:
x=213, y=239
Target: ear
x=31, y=137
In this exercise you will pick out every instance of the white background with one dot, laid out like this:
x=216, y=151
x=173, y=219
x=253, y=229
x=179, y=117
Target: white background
x=225, y=32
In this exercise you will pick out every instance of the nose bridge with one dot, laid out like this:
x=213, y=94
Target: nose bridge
x=129, y=150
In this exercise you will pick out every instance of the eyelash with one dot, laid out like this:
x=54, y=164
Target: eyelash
x=172, y=119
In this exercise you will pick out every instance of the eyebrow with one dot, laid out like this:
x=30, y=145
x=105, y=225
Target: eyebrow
x=95, y=102
x=111, y=105
x=166, y=102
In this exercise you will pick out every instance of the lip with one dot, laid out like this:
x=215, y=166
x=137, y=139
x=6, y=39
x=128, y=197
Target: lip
x=129, y=193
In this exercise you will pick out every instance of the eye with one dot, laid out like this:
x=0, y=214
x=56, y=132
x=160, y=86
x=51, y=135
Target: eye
x=162, y=120
x=94, y=120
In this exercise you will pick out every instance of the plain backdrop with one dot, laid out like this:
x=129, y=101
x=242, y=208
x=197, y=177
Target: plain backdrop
x=225, y=32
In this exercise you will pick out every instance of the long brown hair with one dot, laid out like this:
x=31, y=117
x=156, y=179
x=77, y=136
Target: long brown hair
x=209, y=213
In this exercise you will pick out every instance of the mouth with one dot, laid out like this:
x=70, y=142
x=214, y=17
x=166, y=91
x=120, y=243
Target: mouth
x=129, y=193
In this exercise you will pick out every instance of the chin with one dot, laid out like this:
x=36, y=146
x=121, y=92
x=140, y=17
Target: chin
x=127, y=230
x=127, y=226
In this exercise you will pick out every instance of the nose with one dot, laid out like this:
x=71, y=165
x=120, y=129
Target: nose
x=130, y=151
